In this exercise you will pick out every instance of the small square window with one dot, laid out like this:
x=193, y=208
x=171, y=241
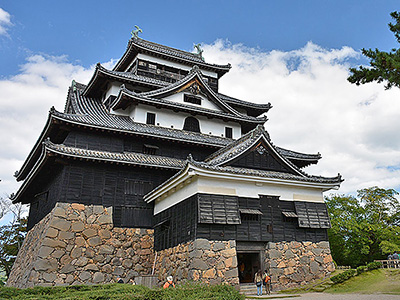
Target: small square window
x=151, y=118
x=228, y=132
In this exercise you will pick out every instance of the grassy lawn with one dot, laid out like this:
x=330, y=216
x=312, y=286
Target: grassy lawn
x=123, y=292
x=377, y=281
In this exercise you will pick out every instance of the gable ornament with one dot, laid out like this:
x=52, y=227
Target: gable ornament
x=199, y=51
x=135, y=32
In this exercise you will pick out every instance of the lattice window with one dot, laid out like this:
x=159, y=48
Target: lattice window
x=191, y=124
x=151, y=118
x=228, y=132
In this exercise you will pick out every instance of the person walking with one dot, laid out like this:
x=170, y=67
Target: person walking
x=267, y=282
x=258, y=281
x=169, y=283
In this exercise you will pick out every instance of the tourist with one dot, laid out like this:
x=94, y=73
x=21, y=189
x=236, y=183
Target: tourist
x=169, y=283
x=395, y=255
x=132, y=281
x=120, y=280
x=258, y=281
x=267, y=282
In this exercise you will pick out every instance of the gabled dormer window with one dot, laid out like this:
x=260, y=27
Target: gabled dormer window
x=191, y=99
x=151, y=118
x=191, y=124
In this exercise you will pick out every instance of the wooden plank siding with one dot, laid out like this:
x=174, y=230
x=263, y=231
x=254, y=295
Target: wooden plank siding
x=271, y=226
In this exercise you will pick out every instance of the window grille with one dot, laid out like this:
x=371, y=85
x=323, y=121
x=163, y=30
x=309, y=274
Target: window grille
x=192, y=99
x=228, y=132
x=151, y=118
x=191, y=124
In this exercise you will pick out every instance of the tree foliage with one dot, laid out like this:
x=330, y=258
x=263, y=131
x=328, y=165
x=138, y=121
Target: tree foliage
x=384, y=66
x=11, y=234
x=364, y=228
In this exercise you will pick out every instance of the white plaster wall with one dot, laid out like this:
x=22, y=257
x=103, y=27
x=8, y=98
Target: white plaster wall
x=178, y=196
x=239, y=188
x=205, y=103
x=167, y=118
x=174, y=65
x=113, y=89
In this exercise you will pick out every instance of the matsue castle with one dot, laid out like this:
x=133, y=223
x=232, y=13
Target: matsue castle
x=151, y=171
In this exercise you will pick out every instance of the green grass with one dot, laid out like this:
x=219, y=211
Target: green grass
x=384, y=281
x=123, y=292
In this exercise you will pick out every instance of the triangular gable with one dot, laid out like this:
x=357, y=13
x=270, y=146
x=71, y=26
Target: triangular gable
x=260, y=157
x=254, y=150
x=192, y=83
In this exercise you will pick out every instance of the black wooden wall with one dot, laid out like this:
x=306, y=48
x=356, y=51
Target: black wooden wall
x=270, y=226
x=113, y=143
x=89, y=183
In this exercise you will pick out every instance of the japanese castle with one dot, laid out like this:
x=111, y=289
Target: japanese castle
x=150, y=171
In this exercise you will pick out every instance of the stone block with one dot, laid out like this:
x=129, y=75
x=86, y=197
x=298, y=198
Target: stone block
x=64, y=235
x=76, y=252
x=51, y=232
x=77, y=206
x=88, y=233
x=231, y=262
x=195, y=253
x=228, y=252
x=91, y=267
x=58, y=253
x=45, y=251
x=94, y=241
x=98, y=277
x=104, y=233
x=314, y=266
x=231, y=273
x=77, y=226
x=328, y=259
x=118, y=271
x=218, y=246
x=44, y=265
x=201, y=244
x=273, y=254
x=60, y=224
x=68, y=268
x=59, y=212
x=53, y=243
x=85, y=276
x=81, y=261
x=106, y=249
x=317, y=251
x=104, y=219
x=198, y=264
x=209, y=273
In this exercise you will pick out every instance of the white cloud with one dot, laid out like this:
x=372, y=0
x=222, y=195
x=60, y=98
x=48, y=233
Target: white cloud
x=314, y=109
x=25, y=100
x=5, y=21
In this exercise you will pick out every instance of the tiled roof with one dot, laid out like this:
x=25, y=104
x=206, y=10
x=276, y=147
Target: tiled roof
x=92, y=112
x=153, y=97
x=270, y=174
x=125, y=157
x=231, y=100
x=241, y=145
x=191, y=165
x=188, y=57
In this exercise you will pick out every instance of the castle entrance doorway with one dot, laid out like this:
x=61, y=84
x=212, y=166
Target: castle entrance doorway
x=248, y=265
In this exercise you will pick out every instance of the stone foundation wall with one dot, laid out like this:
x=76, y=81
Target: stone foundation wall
x=78, y=244
x=296, y=263
x=211, y=262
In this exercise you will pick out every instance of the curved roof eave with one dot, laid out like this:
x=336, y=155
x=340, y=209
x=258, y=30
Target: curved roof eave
x=167, y=52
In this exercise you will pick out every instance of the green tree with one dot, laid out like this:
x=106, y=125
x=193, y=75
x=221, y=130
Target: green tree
x=384, y=66
x=364, y=228
x=11, y=234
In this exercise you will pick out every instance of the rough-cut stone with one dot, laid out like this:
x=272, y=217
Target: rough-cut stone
x=51, y=232
x=60, y=224
x=84, y=276
x=202, y=244
x=88, y=233
x=94, y=241
x=98, y=277
x=45, y=251
x=209, y=273
x=77, y=226
x=199, y=264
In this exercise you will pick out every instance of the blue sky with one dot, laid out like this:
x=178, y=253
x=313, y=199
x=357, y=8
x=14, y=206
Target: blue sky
x=92, y=31
x=294, y=54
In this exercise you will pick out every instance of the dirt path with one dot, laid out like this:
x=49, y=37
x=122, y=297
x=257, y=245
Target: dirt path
x=325, y=296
